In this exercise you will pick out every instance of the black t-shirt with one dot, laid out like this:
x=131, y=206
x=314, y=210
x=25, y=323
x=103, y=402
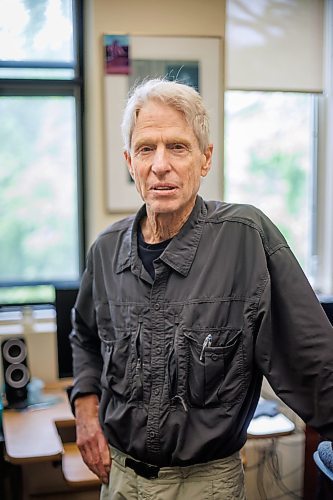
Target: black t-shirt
x=148, y=252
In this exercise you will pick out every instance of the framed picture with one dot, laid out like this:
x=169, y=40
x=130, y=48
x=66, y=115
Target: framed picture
x=192, y=60
x=116, y=56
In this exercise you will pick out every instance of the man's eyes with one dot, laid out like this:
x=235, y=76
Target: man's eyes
x=177, y=147
x=145, y=149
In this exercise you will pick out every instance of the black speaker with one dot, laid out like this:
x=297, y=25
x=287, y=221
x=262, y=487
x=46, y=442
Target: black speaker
x=16, y=373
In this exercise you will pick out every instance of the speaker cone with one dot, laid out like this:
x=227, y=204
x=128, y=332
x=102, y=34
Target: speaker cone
x=14, y=351
x=17, y=375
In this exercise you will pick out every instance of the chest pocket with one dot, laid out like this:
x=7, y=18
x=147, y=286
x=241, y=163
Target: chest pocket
x=117, y=367
x=122, y=356
x=215, y=371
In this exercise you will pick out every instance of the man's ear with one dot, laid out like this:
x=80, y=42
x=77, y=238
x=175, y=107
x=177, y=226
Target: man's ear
x=129, y=163
x=207, y=160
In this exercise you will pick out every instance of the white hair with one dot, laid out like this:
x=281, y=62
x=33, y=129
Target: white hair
x=179, y=96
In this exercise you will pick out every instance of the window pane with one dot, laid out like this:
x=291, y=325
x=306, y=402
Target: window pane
x=38, y=189
x=37, y=73
x=268, y=160
x=27, y=295
x=36, y=30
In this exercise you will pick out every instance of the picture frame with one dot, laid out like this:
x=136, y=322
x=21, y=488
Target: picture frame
x=116, y=56
x=191, y=52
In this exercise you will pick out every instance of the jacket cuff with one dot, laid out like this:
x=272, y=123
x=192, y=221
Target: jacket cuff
x=74, y=392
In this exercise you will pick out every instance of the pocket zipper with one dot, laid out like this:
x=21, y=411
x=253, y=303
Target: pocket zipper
x=174, y=353
x=139, y=360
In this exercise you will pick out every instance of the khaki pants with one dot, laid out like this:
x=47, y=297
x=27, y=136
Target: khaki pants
x=219, y=480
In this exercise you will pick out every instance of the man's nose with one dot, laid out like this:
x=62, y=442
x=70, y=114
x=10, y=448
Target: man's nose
x=160, y=163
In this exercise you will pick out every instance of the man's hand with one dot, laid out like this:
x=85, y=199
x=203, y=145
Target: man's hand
x=90, y=438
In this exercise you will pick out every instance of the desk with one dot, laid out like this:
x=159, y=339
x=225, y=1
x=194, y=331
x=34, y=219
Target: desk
x=270, y=427
x=32, y=438
x=31, y=435
x=43, y=459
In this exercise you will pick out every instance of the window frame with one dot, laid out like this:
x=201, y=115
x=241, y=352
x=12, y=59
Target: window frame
x=323, y=265
x=44, y=87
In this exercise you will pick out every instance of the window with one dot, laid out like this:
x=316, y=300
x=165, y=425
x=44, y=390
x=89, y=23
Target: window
x=265, y=47
x=270, y=151
x=40, y=147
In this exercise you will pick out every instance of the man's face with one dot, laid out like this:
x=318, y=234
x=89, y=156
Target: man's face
x=165, y=160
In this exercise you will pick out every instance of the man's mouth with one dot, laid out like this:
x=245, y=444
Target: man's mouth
x=164, y=187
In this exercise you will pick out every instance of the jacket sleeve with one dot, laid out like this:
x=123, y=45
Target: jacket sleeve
x=294, y=345
x=86, y=346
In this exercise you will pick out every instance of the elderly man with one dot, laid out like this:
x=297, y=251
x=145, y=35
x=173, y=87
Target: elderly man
x=181, y=311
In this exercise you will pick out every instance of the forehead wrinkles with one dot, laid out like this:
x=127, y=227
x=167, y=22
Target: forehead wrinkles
x=153, y=129
x=163, y=136
x=159, y=114
x=157, y=121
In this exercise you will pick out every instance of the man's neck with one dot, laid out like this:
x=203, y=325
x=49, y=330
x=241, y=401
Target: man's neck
x=159, y=227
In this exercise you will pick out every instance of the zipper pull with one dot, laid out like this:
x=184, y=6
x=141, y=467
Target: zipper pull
x=207, y=343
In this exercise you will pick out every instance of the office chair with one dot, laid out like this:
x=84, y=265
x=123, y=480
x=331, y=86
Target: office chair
x=323, y=458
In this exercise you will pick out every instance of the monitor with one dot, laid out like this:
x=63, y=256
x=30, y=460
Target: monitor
x=64, y=302
x=327, y=304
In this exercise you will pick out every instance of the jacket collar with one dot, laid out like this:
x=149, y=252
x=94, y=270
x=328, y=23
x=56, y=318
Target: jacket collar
x=181, y=250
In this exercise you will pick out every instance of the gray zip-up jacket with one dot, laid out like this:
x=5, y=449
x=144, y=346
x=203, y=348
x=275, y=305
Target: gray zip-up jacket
x=178, y=361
